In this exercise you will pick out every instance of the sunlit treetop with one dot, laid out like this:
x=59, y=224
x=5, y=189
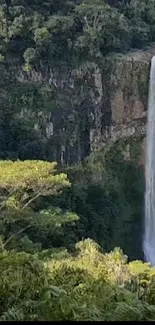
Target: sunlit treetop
x=25, y=181
x=30, y=175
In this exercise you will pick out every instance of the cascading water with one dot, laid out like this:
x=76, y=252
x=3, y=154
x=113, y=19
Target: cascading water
x=149, y=236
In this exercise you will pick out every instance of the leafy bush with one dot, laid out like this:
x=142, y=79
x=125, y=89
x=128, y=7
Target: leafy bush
x=85, y=285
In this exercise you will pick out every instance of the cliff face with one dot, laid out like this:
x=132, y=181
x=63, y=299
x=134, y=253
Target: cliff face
x=99, y=103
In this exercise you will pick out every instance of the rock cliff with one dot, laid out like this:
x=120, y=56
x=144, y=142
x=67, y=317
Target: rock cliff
x=99, y=102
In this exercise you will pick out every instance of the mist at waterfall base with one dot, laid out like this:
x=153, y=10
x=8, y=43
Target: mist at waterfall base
x=149, y=234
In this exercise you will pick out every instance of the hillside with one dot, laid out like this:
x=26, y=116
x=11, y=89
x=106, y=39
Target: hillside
x=64, y=87
x=74, y=84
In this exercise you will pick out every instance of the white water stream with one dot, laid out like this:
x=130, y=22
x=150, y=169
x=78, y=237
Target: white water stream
x=149, y=235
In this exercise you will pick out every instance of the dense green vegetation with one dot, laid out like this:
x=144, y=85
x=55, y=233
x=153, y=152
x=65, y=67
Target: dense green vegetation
x=85, y=286
x=60, y=225
x=54, y=31
x=38, y=36
x=107, y=193
x=43, y=280
x=104, y=195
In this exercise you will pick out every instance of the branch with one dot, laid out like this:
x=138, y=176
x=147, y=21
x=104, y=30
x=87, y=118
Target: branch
x=95, y=20
x=21, y=230
x=17, y=233
x=30, y=201
x=86, y=21
x=5, y=201
x=99, y=23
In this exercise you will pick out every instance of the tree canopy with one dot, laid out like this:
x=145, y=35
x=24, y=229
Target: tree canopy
x=69, y=30
x=21, y=185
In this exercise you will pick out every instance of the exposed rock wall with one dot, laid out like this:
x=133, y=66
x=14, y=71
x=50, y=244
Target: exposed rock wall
x=101, y=102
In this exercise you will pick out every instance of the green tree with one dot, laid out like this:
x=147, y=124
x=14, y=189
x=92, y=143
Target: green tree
x=21, y=185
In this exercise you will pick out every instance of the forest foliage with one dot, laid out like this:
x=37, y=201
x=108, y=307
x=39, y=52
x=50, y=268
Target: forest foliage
x=59, y=228
x=85, y=285
x=39, y=36
x=47, y=273
x=59, y=31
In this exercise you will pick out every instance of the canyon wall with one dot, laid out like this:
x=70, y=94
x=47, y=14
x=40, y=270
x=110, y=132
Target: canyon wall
x=99, y=102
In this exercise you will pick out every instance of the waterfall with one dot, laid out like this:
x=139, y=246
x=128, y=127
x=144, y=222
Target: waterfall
x=149, y=235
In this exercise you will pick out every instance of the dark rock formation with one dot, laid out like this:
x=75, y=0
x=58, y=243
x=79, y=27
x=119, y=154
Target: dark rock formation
x=101, y=103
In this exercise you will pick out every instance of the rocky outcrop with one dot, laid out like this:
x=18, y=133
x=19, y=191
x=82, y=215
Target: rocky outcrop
x=99, y=102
